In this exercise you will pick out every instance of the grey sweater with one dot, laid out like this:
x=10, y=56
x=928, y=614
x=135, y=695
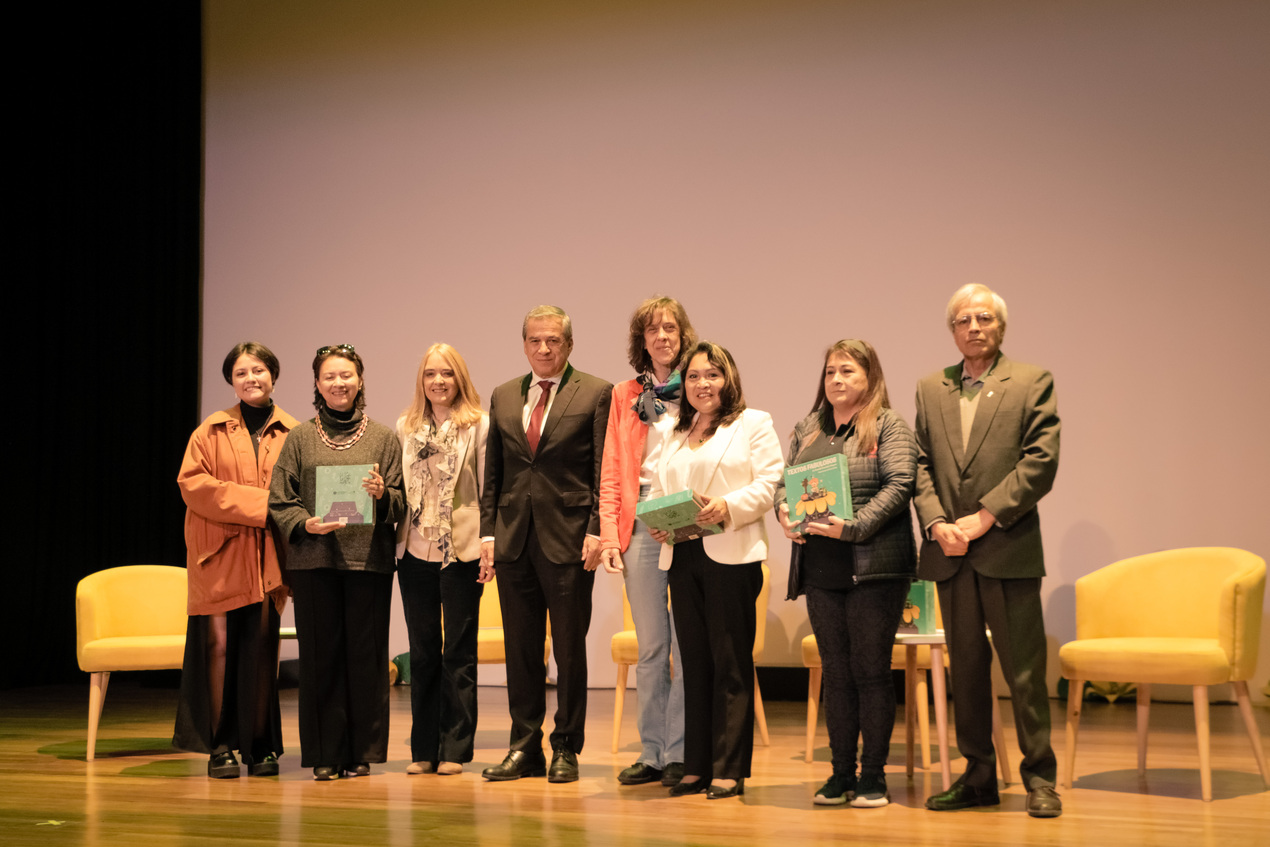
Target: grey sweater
x=292, y=495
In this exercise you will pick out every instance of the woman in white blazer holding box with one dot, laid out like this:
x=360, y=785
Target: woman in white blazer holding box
x=731, y=456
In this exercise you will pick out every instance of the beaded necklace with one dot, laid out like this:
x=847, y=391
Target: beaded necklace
x=361, y=430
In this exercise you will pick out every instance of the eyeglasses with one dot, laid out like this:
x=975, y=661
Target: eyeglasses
x=338, y=348
x=985, y=319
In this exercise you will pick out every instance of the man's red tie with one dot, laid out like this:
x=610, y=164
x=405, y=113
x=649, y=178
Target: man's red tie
x=535, y=418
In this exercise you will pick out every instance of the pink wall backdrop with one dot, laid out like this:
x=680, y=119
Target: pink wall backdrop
x=392, y=173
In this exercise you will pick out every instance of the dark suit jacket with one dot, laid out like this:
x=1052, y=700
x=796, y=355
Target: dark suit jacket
x=1008, y=467
x=557, y=487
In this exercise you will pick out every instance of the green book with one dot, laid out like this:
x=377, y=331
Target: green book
x=340, y=497
x=676, y=514
x=919, y=609
x=818, y=490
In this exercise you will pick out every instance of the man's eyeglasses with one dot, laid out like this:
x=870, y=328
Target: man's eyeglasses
x=984, y=319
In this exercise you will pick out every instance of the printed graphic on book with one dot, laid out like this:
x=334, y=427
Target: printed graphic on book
x=818, y=490
x=919, y=609
x=676, y=514
x=340, y=497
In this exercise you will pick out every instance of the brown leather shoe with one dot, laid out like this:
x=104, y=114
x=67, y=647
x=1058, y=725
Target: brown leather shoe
x=1043, y=802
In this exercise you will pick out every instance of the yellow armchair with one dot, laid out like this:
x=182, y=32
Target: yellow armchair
x=128, y=619
x=1180, y=617
x=490, y=648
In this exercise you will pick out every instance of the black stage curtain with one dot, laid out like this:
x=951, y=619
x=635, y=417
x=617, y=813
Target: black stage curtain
x=108, y=179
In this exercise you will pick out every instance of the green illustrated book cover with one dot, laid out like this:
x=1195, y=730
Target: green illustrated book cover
x=676, y=513
x=340, y=497
x=818, y=490
x=919, y=609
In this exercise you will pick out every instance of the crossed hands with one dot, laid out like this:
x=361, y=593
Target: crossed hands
x=954, y=538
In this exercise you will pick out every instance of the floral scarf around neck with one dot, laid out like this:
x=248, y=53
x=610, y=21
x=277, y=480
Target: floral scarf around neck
x=431, y=501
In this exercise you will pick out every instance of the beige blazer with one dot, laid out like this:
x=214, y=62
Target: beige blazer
x=465, y=521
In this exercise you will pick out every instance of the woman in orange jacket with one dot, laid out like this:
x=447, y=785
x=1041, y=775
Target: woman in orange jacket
x=229, y=685
x=660, y=334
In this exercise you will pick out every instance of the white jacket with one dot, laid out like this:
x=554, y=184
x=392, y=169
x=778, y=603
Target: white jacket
x=743, y=463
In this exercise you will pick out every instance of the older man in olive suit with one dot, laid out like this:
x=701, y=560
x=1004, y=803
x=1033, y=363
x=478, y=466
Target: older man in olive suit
x=987, y=434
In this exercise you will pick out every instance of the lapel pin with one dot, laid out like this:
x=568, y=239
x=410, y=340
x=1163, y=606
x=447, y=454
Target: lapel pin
x=990, y=393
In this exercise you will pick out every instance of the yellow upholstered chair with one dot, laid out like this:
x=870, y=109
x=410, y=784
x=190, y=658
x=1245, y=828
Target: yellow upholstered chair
x=1179, y=617
x=625, y=649
x=128, y=619
x=490, y=649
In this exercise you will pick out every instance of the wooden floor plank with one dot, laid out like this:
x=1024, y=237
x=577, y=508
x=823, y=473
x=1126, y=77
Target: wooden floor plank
x=140, y=791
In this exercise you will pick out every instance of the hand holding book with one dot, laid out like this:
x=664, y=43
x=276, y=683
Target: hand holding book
x=714, y=512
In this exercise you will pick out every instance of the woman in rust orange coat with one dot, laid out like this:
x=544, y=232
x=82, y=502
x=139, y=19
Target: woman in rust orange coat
x=229, y=684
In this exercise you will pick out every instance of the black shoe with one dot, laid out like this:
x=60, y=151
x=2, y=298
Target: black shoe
x=962, y=796
x=838, y=791
x=683, y=789
x=672, y=774
x=357, y=769
x=517, y=764
x=871, y=792
x=267, y=766
x=716, y=793
x=638, y=774
x=564, y=766
x=1043, y=802
x=223, y=766
x=325, y=773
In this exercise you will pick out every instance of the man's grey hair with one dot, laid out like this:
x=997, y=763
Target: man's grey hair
x=967, y=292
x=566, y=325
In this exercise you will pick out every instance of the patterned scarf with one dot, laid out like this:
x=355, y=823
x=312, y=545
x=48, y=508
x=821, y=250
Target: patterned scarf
x=431, y=501
x=650, y=405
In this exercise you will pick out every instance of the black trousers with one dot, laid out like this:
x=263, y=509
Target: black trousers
x=529, y=588
x=855, y=630
x=250, y=720
x=341, y=621
x=442, y=670
x=713, y=606
x=1011, y=608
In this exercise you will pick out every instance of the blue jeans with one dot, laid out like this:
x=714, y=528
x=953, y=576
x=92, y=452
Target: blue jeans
x=661, y=696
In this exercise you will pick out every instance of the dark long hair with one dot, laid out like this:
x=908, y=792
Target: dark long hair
x=731, y=398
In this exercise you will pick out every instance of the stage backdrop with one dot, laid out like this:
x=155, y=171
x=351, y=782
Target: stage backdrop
x=390, y=174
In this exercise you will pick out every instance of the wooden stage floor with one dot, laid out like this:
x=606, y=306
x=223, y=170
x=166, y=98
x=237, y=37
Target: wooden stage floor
x=140, y=791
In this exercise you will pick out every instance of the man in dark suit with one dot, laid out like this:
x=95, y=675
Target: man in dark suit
x=540, y=527
x=987, y=436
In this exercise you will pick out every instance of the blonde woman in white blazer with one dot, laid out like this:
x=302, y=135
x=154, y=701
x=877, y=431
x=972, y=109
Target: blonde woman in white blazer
x=442, y=436
x=731, y=456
